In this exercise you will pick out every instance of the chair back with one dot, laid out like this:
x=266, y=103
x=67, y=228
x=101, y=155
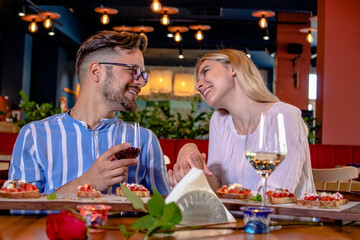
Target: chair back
x=325, y=175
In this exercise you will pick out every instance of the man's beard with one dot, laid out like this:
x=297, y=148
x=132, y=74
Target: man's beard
x=116, y=98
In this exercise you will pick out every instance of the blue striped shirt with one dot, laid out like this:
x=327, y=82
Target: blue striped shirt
x=59, y=149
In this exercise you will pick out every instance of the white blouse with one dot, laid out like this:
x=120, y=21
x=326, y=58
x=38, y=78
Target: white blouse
x=228, y=163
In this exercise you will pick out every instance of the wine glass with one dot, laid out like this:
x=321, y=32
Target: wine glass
x=265, y=145
x=128, y=132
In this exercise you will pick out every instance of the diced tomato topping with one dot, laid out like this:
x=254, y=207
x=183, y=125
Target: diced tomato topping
x=86, y=188
x=135, y=187
x=325, y=198
x=312, y=198
x=233, y=191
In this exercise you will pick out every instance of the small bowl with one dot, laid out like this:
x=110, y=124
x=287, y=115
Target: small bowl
x=95, y=215
x=257, y=219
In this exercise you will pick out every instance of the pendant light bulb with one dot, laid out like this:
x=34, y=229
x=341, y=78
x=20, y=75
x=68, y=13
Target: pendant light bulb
x=165, y=20
x=104, y=19
x=177, y=37
x=155, y=6
x=181, y=55
x=52, y=31
x=199, y=35
x=309, y=37
x=263, y=23
x=47, y=23
x=33, y=27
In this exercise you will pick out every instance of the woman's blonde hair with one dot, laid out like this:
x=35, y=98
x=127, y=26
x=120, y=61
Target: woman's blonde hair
x=249, y=76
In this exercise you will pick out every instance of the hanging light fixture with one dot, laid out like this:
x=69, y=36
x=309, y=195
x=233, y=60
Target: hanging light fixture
x=142, y=29
x=247, y=52
x=181, y=55
x=266, y=36
x=49, y=17
x=52, y=31
x=177, y=37
x=105, y=14
x=165, y=10
x=22, y=10
x=177, y=30
x=309, y=36
x=155, y=6
x=33, y=19
x=123, y=28
x=263, y=14
x=199, y=28
x=165, y=20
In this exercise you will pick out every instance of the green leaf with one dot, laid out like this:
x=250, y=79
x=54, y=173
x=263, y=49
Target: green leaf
x=257, y=198
x=124, y=232
x=145, y=222
x=156, y=204
x=52, y=196
x=172, y=214
x=134, y=199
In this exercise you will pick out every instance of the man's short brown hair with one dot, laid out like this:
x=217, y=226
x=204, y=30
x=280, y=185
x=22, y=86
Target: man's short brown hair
x=109, y=40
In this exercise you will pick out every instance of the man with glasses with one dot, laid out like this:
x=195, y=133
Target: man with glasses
x=71, y=149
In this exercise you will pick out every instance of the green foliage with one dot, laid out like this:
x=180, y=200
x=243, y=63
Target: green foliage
x=165, y=124
x=313, y=129
x=34, y=111
x=52, y=196
x=257, y=198
x=160, y=216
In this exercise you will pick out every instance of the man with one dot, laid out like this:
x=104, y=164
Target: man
x=67, y=150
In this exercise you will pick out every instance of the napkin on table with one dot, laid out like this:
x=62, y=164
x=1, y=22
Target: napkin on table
x=198, y=203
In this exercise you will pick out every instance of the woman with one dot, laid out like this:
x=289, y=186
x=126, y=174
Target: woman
x=229, y=81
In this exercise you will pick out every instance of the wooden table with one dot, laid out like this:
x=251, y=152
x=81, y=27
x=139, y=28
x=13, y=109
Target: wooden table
x=121, y=204
x=33, y=227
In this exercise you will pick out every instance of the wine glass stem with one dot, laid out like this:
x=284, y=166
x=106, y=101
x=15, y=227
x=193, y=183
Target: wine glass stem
x=264, y=183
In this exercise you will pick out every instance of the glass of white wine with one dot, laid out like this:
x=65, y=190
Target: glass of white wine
x=265, y=146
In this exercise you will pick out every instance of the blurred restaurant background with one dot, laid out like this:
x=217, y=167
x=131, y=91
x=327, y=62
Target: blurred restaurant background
x=307, y=51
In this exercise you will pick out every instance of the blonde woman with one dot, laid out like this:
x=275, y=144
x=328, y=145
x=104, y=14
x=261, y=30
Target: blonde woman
x=229, y=81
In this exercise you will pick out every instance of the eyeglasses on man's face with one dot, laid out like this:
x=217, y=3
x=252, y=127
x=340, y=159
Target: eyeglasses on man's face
x=135, y=70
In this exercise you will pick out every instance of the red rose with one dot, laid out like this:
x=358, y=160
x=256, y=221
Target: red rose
x=65, y=226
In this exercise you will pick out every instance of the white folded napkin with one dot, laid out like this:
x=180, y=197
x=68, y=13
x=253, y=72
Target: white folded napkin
x=198, y=203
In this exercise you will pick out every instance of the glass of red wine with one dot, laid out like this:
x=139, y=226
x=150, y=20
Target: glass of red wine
x=129, y=133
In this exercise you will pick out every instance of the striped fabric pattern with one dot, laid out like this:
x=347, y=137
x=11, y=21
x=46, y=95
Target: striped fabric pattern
x=58, y=149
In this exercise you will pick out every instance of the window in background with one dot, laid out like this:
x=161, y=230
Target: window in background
x=312, y=86
x=312, y=91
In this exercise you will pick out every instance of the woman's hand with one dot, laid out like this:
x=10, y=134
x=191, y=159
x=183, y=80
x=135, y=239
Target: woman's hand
x=189, y=157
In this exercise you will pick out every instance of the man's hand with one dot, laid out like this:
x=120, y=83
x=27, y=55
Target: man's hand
x=105, y=172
